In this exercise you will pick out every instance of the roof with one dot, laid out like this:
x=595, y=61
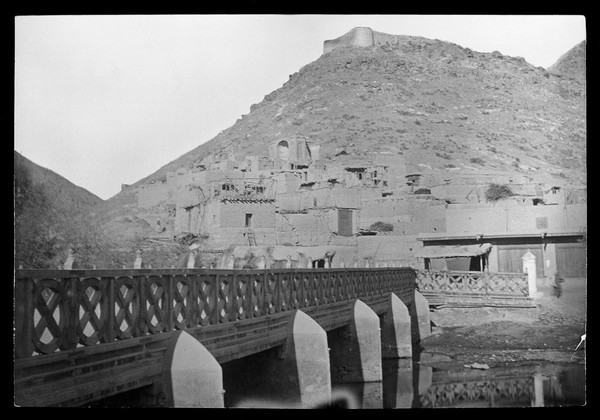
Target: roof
x=445, y=236
x=451, y=251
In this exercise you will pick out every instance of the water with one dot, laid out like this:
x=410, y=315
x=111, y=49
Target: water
x=410, y=384
x=415, y=384
x=418, y=384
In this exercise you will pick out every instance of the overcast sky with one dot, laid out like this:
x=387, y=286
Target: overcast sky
x=105, y=100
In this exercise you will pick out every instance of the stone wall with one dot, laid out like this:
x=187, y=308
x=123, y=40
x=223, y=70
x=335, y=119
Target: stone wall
x=154, y=194
x=393, y=251
x=409, y=216
x=312, y=228
x=320, y=197
x=229, y=236
x=233, y=215
x=481, y=219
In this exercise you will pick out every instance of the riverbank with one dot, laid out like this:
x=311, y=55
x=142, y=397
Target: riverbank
x=498, y=337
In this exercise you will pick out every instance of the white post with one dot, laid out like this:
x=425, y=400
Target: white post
x=288, y=262
x=530, y=269
x=262, y=262
x=231, y=262
x=70, y=259
x=138, y=259
x=191, y=262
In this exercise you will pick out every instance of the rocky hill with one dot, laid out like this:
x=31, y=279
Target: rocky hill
x=429, y=104
x=66, y=199
x=49, y=213
x=572, y=63
x=429, y=101
x=52, y=215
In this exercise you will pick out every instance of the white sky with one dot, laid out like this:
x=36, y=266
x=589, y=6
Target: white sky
x=105, y=100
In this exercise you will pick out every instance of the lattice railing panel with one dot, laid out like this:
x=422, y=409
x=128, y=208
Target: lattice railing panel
x=62, y=309
x=93, y=311
x=50, y=304
x=473, y=282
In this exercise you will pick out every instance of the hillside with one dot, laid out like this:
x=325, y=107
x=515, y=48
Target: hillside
x=429, y=105
x=572, y=63
x=67, y=198
x=50, y=214
x=429, y=101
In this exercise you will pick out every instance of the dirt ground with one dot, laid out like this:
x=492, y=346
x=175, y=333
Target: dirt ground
x=502, y=337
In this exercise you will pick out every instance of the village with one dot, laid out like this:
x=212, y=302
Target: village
x=292, y=209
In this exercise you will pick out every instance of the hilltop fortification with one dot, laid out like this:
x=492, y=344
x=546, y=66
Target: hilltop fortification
x=357, y=37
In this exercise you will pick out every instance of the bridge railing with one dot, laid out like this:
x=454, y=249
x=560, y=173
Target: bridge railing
x=65, y=309
x=467, y=288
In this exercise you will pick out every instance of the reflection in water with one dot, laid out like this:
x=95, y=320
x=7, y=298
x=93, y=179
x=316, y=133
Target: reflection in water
x=364, y=394
x=412, y=384
x=531, y=386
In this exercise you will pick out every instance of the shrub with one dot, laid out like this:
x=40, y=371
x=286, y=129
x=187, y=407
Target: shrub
x=497, y=192
x=381, y=227
x=477, y=160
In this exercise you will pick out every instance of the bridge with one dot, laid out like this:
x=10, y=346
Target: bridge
x=85, y=335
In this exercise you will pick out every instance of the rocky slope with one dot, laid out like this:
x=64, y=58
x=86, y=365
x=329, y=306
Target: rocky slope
x=427, y=100
x=572, y=63
x=50, y=214
x=67, y=198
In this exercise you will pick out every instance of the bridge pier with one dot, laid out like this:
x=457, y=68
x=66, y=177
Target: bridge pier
x=396, y=336
x=356, y=349
x=295, y=375
x=422, y=322
x=191, y=375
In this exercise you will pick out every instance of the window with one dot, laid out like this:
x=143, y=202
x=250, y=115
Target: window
x=248, y=220
x=283, y=150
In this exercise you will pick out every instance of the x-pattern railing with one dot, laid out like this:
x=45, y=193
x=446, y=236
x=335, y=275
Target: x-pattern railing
x=65, y=309
x=473, y=282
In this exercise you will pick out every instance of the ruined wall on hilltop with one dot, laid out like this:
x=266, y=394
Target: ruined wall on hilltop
x=357, y=37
